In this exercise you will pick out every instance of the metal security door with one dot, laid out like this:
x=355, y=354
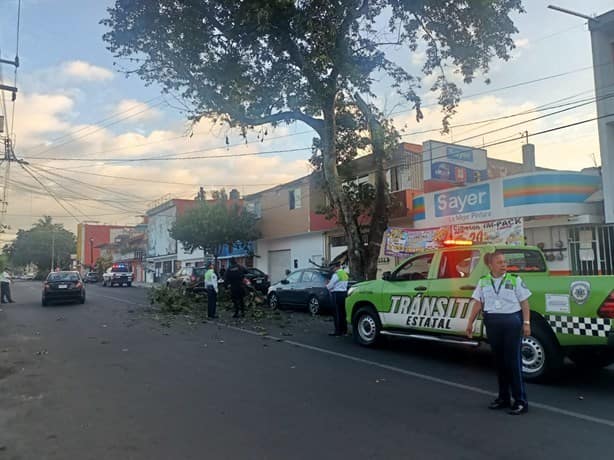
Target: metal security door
x=591, y=250
x=279, y=262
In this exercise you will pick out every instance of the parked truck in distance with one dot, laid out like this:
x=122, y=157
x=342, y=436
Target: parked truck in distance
x=118, y=274
x=429, y=297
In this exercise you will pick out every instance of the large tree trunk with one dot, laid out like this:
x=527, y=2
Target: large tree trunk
x=381, y=204
x=340, y=200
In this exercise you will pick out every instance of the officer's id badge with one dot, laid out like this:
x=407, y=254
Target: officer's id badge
x=508, y=285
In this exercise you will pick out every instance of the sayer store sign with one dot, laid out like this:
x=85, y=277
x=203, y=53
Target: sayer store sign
x=475, y=200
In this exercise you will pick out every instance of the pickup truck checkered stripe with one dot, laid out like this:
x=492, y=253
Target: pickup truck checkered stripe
x=579, y=325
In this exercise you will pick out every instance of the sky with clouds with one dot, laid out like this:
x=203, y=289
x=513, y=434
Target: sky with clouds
x=73, y=105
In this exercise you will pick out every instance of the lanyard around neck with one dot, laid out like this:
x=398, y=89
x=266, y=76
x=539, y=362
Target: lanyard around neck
x=492, y=281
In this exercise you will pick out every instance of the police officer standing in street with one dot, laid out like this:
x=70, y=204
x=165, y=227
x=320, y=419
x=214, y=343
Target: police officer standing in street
x=503, y=300
x=338, y=287
x=212, y=290
x=234, y=278
x=5, y=282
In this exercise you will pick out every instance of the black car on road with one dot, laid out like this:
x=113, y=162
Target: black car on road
x=302, y=288
x=63, y=286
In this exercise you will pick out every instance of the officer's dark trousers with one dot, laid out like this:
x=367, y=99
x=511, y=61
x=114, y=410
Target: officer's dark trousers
x=6, y=293
x=211, y=301
x=236, y=294
x=341, y=326
x=504, y=335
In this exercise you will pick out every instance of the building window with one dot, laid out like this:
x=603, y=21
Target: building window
x=399, y=178
x=294, y=198
x=336, y=241
x=255, y=208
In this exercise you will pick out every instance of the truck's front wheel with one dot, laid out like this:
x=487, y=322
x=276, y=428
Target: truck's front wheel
x=542, y=358
x=366, y=326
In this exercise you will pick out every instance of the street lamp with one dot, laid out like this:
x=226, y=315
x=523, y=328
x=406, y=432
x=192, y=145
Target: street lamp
x=92, y=253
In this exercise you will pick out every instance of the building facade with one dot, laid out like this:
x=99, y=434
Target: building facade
x=90, y=238
x=289, y=240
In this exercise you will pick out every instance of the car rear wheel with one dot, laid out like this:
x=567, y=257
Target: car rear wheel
x=273, y=301
x=129, y=283
x=366, y=326
x=313, y=305
x=542, y=358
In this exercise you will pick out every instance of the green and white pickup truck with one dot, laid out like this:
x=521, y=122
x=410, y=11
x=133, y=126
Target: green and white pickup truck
x=428, y=297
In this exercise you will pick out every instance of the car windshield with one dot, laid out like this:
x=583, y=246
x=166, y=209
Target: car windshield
x=63, y=276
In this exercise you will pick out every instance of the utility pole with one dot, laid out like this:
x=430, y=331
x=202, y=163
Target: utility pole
x=9, y=153
x=52, y=249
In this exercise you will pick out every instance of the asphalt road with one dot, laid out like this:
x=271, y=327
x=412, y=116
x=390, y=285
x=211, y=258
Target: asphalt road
x=106, y=380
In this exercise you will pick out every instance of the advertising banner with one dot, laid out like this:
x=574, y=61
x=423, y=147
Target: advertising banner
x=404, y=241
x=453, y=163
x=504, y=231
x=401, y=242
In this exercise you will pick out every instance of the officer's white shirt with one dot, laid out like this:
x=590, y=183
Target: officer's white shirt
x=5, y=277
x=501, y=299
x=336, y=285
x=212, y=282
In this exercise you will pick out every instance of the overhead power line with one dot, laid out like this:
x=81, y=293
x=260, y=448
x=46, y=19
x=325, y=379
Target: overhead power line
x=490, y=91
x=127, y=160
x=574, y=105
x=158, y=181
x=520, y=137
x=94, y=126
x=51, y=194
x=136, y=160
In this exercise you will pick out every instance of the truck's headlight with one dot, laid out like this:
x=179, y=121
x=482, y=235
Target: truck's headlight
x=351, y=291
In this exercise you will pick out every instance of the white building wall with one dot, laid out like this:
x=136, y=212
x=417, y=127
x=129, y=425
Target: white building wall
x=602, y=38
x=302, y=248
x=159, y=241
x=187, y=257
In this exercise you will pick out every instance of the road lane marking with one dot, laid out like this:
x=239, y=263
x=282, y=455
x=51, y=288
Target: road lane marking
x=426, y=377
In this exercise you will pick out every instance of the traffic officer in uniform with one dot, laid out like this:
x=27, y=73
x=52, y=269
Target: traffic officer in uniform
x=503, y=300
x=212, y=289
x=338, y=287
x=234, y=278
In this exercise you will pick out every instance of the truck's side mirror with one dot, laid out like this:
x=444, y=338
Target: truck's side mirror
x=386, y=276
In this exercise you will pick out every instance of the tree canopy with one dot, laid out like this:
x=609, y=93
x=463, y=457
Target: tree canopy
x=42, y=242
x=211, y=225
x=249, y=63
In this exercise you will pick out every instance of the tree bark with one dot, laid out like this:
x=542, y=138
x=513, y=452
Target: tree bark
x=341, y=202
x=381, y=204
